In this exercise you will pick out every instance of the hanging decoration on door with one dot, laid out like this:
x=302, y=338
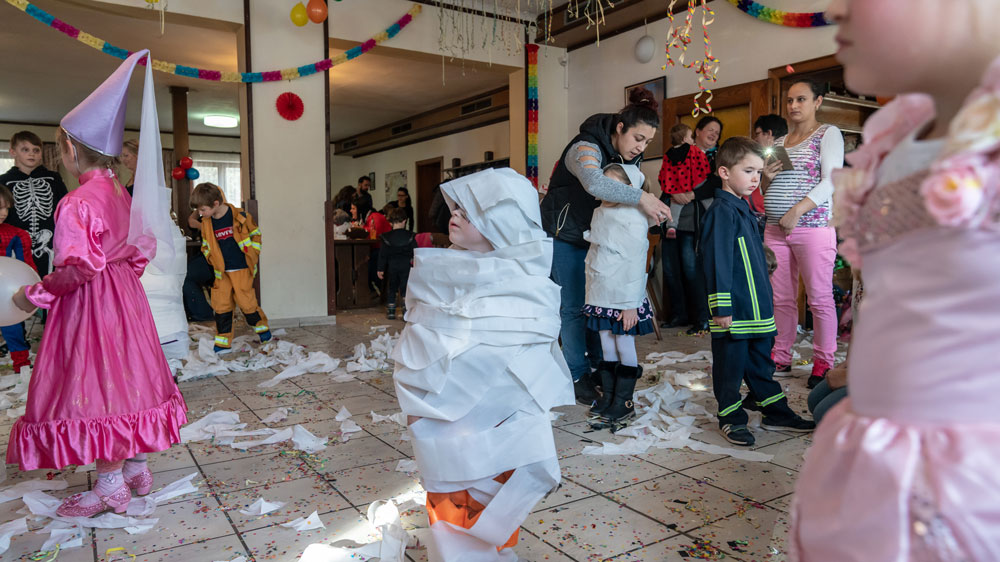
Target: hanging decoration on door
x=680, y=36
x=779, y=17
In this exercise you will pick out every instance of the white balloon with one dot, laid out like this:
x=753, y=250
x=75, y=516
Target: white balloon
x=645, y=47
x=14, y=274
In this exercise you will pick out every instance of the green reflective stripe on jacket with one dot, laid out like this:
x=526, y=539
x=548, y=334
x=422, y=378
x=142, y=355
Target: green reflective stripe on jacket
x=749, y=272
x=764, y=326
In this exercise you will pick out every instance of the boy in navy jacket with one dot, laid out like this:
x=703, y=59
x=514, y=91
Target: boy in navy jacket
x=740, y=299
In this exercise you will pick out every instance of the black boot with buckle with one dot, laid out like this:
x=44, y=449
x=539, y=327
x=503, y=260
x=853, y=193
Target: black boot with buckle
x=606, y=375
x=621, y=407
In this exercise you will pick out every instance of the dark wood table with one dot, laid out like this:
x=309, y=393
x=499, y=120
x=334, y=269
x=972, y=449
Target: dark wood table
x=352, y=257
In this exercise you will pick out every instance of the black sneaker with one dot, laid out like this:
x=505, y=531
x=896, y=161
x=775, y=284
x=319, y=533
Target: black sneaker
x=796, y=425
x=584, y=390
x=813, y=381
x=738, y=435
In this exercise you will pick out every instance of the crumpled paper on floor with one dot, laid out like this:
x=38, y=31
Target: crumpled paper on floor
x=398, y=417
x=667, y=415
x=237, y=559
x=407, y=466
x=40, y=503
x=306, y=523
x=306, y=441
x=262, y=507
x=140, y=507
x=210, y=425
x=18, y=490
x=315, y=362
x=274, y=436
x=378, y=359
x=61, y=534
x=342, y=414
x=279, y=415
x=383, y=516
x=9, y=529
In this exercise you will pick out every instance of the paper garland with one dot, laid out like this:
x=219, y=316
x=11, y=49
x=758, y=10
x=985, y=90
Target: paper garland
x=217, y=75
x=778, y=17
x=532, y=106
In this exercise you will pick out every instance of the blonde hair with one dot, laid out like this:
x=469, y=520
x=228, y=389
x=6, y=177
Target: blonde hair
x=87, y=157
x=132, y=145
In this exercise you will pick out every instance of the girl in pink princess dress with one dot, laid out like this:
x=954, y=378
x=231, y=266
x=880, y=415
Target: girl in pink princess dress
x=101, y=388
x=906, y=468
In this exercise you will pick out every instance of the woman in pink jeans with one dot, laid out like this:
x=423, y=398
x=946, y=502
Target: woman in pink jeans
x=798, y=204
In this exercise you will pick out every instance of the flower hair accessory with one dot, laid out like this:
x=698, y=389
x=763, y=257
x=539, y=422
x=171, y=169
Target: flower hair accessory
x=962, y=186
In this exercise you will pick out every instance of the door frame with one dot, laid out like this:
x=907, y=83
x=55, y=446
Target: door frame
x=421, y=203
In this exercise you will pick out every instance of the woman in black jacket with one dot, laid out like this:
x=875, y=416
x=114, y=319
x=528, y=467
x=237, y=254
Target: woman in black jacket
x=577, y=187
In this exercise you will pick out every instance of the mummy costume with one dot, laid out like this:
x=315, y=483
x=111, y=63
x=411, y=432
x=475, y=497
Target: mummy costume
x=479, y=364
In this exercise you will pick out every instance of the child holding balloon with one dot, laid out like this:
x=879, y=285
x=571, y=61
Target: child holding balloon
x=15, y=243
x=101, y=389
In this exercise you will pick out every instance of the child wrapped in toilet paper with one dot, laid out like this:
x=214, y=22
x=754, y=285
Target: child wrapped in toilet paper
x=478, y=368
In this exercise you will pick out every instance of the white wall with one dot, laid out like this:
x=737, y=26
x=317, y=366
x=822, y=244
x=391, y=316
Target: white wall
x=553, y=94
x=289, y=169
x=467, y=145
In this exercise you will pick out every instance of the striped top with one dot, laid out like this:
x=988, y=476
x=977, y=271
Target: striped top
x=815, y=159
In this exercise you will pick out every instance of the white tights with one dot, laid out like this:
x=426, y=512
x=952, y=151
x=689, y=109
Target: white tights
x=619, y=348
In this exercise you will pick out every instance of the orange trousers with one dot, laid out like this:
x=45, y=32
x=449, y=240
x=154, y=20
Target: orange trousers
x=235, y=288
x=459, y=509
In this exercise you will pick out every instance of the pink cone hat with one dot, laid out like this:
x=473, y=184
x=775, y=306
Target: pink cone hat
x=99, y=121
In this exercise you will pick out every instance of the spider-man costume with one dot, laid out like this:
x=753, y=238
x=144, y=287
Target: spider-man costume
x=16, y=243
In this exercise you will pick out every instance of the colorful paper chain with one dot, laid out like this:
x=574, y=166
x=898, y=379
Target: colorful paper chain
x=532, y=163
x=680, y=37
x=217, y=75
x=778, y=17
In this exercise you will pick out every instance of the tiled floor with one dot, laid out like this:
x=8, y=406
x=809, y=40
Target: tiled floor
x=650, y=507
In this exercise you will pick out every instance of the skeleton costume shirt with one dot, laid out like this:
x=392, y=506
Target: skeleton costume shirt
x=35, y=199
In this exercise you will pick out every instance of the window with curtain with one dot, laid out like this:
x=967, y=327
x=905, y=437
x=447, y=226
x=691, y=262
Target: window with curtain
x=222, y=169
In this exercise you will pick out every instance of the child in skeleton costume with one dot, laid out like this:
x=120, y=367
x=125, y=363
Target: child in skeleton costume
x=37, y=191
x=617, y=307
x=478, y=368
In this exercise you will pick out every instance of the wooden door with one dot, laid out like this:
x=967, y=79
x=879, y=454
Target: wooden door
x=428, y=178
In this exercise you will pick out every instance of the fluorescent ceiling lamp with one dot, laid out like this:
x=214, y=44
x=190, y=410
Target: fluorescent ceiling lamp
x=221, y=121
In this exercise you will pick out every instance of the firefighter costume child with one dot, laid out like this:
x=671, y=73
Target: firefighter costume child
x=741, y=301
x=231, y=243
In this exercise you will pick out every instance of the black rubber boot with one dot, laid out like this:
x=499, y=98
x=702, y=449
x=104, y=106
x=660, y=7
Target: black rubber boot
x=391, y=313
x=606, y=375
x=621, y=407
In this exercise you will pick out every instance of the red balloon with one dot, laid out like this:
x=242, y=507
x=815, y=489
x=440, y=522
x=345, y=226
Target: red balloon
x=186, y=162
x=177, y=173
x=316, y=10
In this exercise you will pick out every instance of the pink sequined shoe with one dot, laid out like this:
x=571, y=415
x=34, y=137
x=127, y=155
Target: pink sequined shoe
x=117, y=501
x=141, y=483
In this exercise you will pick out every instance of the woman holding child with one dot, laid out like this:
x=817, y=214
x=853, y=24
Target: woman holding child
x=577, y=187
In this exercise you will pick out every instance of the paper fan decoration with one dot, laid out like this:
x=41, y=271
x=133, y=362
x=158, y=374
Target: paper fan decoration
x=290, y=106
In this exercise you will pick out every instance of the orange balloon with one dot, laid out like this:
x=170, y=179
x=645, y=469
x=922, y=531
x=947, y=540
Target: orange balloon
x=316, y=10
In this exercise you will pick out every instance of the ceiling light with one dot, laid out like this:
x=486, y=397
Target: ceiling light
x=221, y=121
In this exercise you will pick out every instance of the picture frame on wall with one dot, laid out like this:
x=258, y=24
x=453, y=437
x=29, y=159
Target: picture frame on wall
x=658, y=87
